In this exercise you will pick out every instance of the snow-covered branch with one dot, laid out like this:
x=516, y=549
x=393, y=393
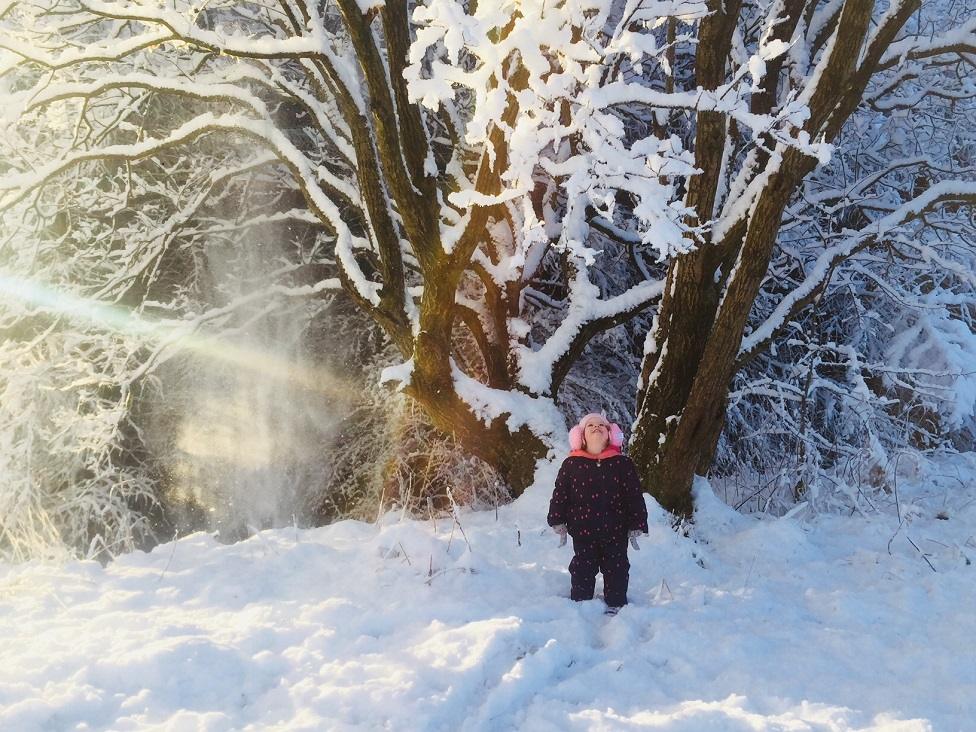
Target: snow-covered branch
x=542, y=370
x=959, y=40
x=944, y=192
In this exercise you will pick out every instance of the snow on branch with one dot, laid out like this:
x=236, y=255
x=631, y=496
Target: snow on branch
x=961, y=39
x=15, y=186
x=540, y=415
x=943, y=192
x=142, y=254
x=538, y=368
x=183, y=25
x=530, y=56
x=91, y=53
x=49, y=92
x=939, y=194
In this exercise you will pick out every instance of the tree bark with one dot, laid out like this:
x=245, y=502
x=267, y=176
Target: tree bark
x=512, y=454
x=691, y=293
x=698, y=331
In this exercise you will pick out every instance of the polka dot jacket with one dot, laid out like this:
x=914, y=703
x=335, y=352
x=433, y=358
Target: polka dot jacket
x=598, y=498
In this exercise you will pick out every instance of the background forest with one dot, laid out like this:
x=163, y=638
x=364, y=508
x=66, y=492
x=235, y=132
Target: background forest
x=280, y=262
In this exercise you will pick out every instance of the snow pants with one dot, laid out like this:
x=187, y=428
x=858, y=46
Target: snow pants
x=609, y=556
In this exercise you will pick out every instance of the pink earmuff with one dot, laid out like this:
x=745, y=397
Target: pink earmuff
x=576, y=437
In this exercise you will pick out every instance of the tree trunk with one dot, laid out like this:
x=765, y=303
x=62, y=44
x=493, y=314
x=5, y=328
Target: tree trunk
x=685, y=379
x=681, y=327
x=682, y=407
x=691, y=293
x=512, y=454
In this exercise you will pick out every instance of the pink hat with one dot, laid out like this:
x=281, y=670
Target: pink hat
x=576, y=434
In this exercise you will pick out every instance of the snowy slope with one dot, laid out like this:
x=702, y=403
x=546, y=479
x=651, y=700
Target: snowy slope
x=774, y=624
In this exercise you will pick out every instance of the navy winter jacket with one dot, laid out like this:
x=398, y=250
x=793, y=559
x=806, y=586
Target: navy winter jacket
x=598, y=498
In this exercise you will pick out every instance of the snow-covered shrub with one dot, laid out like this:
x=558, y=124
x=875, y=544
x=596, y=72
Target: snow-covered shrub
x=66, y=485
x=108, y=271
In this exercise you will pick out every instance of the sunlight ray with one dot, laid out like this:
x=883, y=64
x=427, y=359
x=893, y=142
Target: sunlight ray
x=178, y=334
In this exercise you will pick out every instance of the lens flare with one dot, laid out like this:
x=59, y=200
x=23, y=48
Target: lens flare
x=179, y=335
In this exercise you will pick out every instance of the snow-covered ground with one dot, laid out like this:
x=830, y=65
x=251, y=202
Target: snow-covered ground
x=826, y=623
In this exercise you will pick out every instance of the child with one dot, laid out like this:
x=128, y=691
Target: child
x=598, y=501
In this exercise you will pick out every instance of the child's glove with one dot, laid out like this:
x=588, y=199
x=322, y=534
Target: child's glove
x=633, y=534
x=562, y=530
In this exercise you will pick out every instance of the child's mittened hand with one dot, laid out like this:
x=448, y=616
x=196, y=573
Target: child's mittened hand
x=633, y=534
x=562, y=530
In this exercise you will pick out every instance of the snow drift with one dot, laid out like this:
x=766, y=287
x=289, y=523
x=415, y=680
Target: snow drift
x=798, y=623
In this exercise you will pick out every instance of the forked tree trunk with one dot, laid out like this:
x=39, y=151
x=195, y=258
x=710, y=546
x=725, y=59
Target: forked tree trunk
x=685, y=380
x=691, y=295
x=512, y=454
x=682, y=409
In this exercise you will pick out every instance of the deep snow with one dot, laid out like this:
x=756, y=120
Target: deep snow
x=753, y=624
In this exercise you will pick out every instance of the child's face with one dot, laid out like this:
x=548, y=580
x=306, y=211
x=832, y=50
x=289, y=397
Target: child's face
x=597, y=435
